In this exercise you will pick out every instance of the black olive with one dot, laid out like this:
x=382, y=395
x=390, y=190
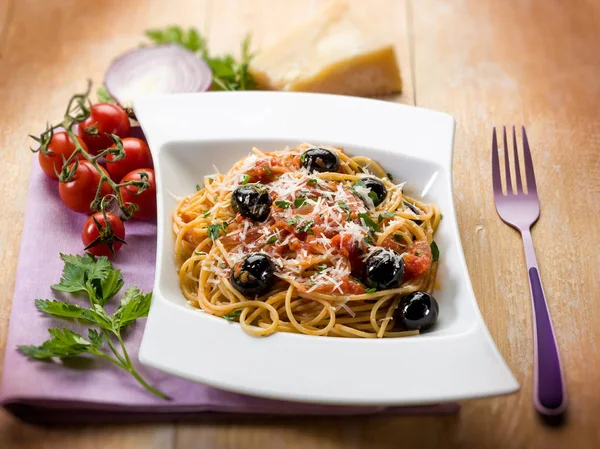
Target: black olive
x=252, y=201
x=417, y=311
x=320, y=159
x=384, y=269
x=253, y=275
x=415, y=211
x=377, y=191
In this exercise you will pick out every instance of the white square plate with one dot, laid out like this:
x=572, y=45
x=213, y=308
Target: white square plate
x=190, y=133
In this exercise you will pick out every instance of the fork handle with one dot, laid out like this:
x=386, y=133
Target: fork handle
x=550, y=395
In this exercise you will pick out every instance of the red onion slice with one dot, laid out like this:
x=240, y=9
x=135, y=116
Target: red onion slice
x=165, y=69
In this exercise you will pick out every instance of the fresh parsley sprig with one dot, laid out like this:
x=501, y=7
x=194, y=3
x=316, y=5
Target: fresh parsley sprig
x=228, y=73
x=100, y=282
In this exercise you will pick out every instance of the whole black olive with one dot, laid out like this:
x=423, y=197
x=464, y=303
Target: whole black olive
x=414, y=210
x=384, y=269
x=253, y=275
x=320, y=159
x=417, y=311
x=252, y=201
x=377, y=191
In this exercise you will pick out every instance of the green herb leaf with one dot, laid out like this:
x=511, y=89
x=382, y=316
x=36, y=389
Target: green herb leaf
x=63, y=343
x=272, y=239
x=360, y=169
x=267, y=170
x=135, y=304
x=384, y=216
x=206, y=213
x=312, y=182
x=97, y=338
x=244, y=179
x=390, y=177
x=306, y=226
x=214, y=230
x=103, y=95
x=370, y=290
x=60, y=309
x=198, y=187
x=368, y=221
x=298, y=202
x=233, y=316
x=435, y=251
x=292, y=221
x=282, y=204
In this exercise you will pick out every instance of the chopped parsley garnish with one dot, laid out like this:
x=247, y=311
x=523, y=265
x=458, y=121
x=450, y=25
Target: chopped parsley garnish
x=306, y=226
x=293, y=221
x=384, y=216
x=267, y=169
x=222, y=265
x=211, y=180
x=272, y=239
x=370, y=290
x=398, y=238
x=198, y=188
x=312, y=182
x=199, y=253
x=346, y=208
x=368, y=221
x=390, y=177
x=373, y=196
x=214, y=230
x=244, y=179
x=282, y=204
x=441, y=216
x=206, y=213
x=435, y=251
x=360, y=169
x=303, y=157
x=321, y=268
x=233, y=315
x=298, y=202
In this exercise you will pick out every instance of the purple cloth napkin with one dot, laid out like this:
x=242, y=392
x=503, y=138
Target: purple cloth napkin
x=50, y=393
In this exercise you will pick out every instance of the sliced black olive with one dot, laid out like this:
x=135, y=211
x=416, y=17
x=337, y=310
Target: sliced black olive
x=417, y=311
x=252, y=201
x=377, y=191
x=384, y=269
x=320, y=159
x=253, y=275
x=415, y=211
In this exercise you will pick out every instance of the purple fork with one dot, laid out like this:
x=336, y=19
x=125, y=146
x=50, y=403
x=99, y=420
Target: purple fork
x=521, y=210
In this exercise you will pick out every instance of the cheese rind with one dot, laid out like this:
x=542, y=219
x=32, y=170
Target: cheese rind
x=332, y=53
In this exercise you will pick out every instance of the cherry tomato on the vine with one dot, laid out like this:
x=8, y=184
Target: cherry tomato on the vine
x=60, y=145
x=100, y=238
x=105, y=118
x=146, y=200
x=78, y=193
x=137, y=155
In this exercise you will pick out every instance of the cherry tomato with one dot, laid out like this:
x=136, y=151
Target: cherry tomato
x=78, y=193
x=137, y=155
x=146, y=200
x=105, y=118
x=60, y=145
x=108, y=237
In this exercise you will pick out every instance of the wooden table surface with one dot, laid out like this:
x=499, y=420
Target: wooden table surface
x=486, y=62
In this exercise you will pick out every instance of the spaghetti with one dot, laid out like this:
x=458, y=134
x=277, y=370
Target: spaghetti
x=320, y=231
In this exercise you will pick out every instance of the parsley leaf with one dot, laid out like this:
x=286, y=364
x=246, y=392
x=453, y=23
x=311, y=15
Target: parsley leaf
x=292, y=221
x=360, y=169
x=312, y=182
x=435, y=251
x=298, y=202
x=267, y=169
x=370, y=290
x=214, y=230
x=244, y=179
x=390, y=177
x=103, y=95
x=63, y=343
x=233, y=316
x=135, y=304
x=272, y=239
x=385, y=215
x=198, y=187
x=368, y=222
x=306, y=226
x=206, y=213
x=282, y=204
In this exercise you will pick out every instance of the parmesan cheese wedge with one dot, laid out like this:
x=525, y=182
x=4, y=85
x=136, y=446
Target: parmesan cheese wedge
x=332, y=53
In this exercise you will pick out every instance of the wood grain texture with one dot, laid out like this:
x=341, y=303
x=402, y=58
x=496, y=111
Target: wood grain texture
x=487, y=63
